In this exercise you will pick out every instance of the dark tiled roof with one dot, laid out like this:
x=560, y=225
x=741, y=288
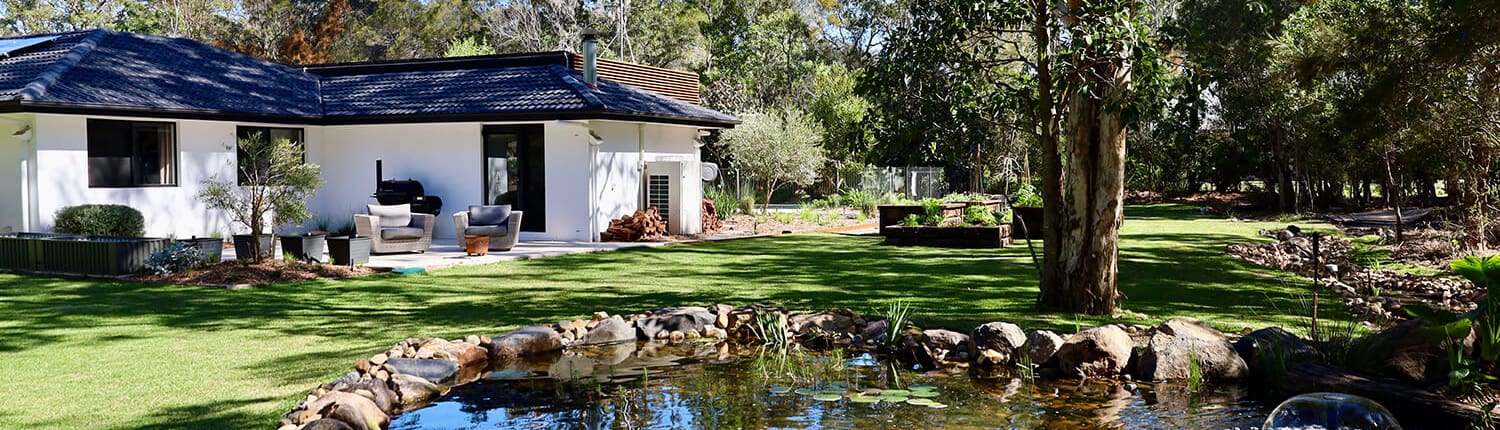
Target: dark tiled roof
x=109, y=70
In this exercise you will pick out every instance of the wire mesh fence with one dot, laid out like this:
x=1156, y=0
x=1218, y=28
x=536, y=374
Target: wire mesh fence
x=915, y=182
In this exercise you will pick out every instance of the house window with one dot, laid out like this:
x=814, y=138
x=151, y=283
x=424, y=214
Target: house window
x=132, y=153
x=264, y=134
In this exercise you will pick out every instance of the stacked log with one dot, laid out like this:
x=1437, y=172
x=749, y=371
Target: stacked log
x=644, y=225
x=711, y=222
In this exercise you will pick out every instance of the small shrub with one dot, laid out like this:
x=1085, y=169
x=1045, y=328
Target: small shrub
x=981, y=216
x=807, y=214
x=747, y=204
x=912, y=220
x=724, y=202
x=1026, y=196
x=101, y=220
x=932, y=210
x=175, y=258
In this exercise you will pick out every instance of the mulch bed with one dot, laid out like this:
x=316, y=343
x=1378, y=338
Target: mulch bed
x=236, y=274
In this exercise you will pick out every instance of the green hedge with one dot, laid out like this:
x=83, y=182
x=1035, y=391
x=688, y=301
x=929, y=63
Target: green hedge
x=102, y=220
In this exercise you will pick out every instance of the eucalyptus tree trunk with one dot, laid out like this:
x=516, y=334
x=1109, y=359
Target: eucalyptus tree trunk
x=1095, y=182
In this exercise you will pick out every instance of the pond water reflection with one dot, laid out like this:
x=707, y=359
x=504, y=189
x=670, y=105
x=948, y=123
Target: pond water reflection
x=704, y=386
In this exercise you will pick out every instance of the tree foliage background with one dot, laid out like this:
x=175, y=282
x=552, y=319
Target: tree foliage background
x=1333, y=103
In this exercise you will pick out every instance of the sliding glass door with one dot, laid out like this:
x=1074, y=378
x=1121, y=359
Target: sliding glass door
x=514, y=172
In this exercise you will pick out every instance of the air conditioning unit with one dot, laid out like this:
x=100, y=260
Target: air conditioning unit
x=664, y=183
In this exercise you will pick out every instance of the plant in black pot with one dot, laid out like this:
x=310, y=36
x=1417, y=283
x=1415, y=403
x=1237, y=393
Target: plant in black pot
x=305, y=246
x=1027, y=213
x=349, y=250
x=272, y=178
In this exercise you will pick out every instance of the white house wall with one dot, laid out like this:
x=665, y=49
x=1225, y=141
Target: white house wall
x=62, y=175
x=620, y=162
x=445, y=157
x=12, y=209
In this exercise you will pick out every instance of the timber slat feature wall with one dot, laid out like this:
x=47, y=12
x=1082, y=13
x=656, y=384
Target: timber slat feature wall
x=676, y=84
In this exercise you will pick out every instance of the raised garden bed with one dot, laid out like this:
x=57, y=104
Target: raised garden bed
x=948, y=237
x=81, y=255
x=891, y=215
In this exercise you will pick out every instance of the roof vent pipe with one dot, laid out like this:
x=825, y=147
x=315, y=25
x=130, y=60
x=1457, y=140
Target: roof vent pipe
x=590, y=58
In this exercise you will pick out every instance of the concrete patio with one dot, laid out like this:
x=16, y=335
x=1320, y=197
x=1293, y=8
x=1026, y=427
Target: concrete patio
x=449, y=253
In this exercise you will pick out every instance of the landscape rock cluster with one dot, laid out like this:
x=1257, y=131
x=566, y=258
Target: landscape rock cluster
x=1374, y=295
x=416, y=371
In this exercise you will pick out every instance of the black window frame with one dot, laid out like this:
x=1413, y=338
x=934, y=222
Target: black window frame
x=98, y=130
x=531, y=197
x=247, y=131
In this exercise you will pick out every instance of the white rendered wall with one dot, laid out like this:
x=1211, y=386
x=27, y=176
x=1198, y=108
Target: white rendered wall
x=12, y=211
x=204, y=149
x=620, y=162
x=445, y=157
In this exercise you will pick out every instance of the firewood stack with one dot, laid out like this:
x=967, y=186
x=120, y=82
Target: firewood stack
x=644, y=225
x=711, y=222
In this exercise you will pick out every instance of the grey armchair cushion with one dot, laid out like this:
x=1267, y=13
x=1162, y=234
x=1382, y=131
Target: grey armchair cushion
x=392, y=216
x=400, y=233
x=486, y=230
x=488, y=215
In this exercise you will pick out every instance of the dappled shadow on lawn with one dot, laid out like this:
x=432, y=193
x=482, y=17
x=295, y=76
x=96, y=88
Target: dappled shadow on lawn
x=1166, y=269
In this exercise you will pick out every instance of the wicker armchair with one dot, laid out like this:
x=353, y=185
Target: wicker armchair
x=395, y=229
x=501, y=224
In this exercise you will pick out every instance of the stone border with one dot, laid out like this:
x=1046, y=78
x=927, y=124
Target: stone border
x=416, y=371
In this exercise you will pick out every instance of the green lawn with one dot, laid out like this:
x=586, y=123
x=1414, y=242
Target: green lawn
x=93, y=354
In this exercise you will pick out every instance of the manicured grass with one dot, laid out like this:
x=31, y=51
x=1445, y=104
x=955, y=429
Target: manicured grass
x=99, y=354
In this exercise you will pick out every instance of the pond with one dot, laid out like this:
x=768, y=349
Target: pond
x=697, y=385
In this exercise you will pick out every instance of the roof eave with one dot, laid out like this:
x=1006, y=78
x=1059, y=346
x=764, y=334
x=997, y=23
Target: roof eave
x=218, y=115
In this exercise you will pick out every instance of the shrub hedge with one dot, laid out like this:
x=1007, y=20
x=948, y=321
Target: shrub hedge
x=102, y=220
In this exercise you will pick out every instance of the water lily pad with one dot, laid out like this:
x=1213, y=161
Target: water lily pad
x=918, y=401
x=895, y=392
x=781, y=390
x=864, y=399
x=827, y=397
x=922, y=387
x=805, y=391
x=834, y=390
x=936, y=405
x=893, y=399
x=924, y=394
x=872, y=392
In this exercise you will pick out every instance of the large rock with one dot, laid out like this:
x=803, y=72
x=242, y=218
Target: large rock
x=525, y=341
x=375, y=390
x=435, y=370
x=466, y=354
x=326, y=424
x=1097, y=352
x=1402, y=352
x=946, y=344
x=414, y=392
x=1273, y=345
x=358, y=412
x=1042, y=347
x=996, y=343
x=686, y=319
x=608, y=331
x=1179, y=343
x=839, y=323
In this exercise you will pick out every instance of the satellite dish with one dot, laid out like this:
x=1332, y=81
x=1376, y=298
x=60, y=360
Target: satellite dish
x=710, y=172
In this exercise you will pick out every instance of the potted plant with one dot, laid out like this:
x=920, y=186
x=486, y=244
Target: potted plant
x=272, y=179
x=212, y=247
x=349, y=250
x=305, y=247
x=1026, y=221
